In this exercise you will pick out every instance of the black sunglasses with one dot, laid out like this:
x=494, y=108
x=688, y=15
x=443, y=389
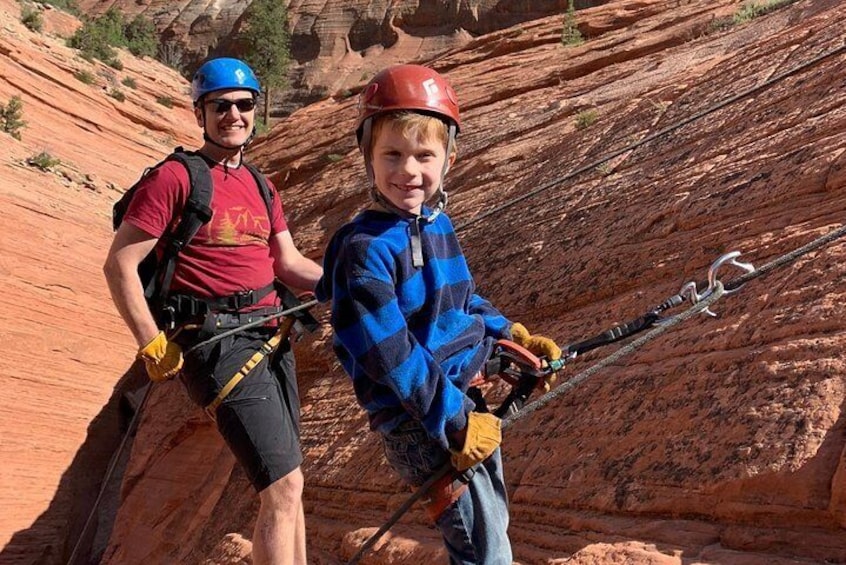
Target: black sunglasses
x=222, y=106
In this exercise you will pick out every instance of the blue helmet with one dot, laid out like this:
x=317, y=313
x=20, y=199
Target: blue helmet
x=222, y=73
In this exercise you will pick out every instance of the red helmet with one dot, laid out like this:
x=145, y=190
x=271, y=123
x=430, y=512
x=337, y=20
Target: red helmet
x=408, y=87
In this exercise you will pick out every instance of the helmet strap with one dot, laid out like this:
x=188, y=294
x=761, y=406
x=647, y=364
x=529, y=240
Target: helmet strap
x=442, y=195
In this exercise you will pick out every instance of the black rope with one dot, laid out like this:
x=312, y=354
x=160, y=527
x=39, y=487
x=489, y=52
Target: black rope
x=570, y=384
x=253, y=324
x=716, y=293
x=710, y=296
x=107, y=477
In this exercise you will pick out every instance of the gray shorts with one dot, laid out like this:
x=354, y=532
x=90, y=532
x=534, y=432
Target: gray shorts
x=260, y=419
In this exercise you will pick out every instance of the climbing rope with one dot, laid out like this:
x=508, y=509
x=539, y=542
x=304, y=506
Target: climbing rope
x=133, y=424
x=701, y=304
x=570, y=384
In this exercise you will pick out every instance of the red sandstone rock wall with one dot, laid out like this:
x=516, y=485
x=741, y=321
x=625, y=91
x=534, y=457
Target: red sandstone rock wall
x=334, y=43
x=63, y=349
x=720, y=442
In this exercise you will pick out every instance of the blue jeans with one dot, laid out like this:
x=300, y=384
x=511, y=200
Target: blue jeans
x=475, y=527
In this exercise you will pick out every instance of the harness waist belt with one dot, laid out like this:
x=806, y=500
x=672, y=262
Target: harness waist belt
x=189, y=306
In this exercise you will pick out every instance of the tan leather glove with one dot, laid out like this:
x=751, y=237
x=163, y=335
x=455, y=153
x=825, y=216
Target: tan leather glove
x=539, y=345
x=483, y=436
x=162, y=358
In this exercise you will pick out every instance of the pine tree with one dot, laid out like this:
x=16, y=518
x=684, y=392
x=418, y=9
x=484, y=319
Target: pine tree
x=266, y=45
x=10, y=117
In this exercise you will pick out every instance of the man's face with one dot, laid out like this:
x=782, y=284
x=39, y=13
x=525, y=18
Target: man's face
x=407, y=171
x=228, y=115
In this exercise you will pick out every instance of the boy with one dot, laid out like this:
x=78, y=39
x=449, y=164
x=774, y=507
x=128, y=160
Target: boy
x=409, y=329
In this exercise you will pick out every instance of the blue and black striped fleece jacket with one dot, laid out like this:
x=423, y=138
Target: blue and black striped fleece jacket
x=410, y=337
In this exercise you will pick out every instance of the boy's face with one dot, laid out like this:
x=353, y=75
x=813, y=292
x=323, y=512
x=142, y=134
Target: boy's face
x=407, y=170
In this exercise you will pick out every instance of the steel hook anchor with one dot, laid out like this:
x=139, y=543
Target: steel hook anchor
x=690, y=292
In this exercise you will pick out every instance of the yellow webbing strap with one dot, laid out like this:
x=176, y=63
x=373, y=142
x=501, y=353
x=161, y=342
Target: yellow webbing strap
x=265, y=350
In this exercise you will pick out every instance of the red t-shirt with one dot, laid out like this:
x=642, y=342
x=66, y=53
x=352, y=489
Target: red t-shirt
x=230, y=254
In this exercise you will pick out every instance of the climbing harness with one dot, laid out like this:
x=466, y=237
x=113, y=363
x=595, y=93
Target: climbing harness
x=266, y=349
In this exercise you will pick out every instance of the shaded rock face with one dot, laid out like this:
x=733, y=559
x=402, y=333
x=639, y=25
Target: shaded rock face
x=63, y=349
x=720, y=441
x=336, y=44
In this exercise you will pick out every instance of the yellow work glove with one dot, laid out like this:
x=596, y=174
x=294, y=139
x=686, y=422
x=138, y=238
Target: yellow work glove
x=163, y=358
x=483, y=436
x=539, y=345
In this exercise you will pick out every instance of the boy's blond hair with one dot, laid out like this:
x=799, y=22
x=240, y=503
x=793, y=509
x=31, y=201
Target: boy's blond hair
x=413, y=125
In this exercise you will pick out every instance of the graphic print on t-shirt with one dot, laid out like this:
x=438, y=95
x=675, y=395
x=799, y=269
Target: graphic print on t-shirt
x=238, y=225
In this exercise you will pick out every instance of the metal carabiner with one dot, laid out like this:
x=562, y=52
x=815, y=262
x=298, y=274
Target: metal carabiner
x=689, y=290
x=730, y=259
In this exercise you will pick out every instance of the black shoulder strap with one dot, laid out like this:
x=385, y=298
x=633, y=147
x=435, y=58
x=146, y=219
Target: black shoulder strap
x=266, y=193
x=196, y=213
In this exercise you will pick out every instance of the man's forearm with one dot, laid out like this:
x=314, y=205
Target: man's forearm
x=128, y=297
x=300, y=273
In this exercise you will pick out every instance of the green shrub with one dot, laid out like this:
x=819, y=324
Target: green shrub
x=141, y=37
x=91, y=40
x=165, y=101
x=117, y=94
x=84, y=76
x=570, y=35
x=334, y=157
x=586, y=118
x=752, y=10
x=98, y=36
x=129, y=82
x=31, y=18
x=171, y=54
x=10, y=117
x=746, y=13
x=43, y=161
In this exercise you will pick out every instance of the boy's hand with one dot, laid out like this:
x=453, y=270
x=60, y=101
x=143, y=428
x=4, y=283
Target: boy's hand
x=483, y=435
x=540, y=346
x=162, y=358
x=537, y=344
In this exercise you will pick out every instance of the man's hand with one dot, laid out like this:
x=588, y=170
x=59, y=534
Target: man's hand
x=162, y=358
x=483, y=435
x=539, y=345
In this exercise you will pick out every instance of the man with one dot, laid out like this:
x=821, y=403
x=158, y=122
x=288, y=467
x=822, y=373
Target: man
x=222, y=279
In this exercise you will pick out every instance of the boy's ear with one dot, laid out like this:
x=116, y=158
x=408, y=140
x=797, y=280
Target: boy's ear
x=452, y=159
x=198, y=113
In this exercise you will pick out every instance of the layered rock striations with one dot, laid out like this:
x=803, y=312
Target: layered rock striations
x=593, y=182
x=720, y=441
x=335, y=44
x=87, y=136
